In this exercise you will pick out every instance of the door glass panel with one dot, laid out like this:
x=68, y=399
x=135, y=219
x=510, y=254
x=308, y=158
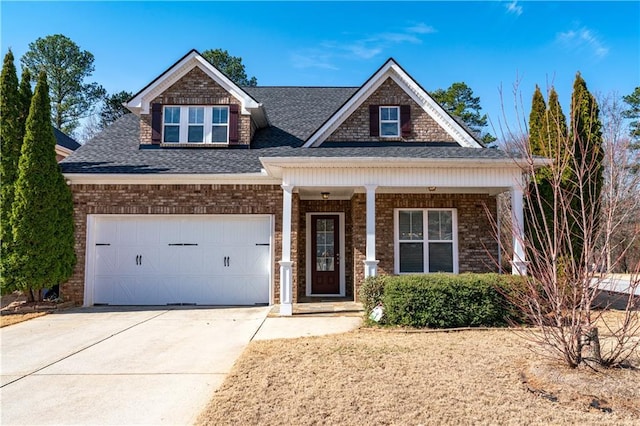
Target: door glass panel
x=324, y=245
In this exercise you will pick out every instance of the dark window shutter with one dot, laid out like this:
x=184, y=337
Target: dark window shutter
x=233, y=123
x=156, y=123
x=405, y=120
x=374, y=120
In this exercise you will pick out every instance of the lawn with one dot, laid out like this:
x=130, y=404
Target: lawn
x=381, y=377
x=6, y=320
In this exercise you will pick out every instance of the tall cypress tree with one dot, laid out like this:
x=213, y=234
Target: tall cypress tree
x=539, y=208
x=25, y=96
x=42, y=256
x=10, y=144
x=586, y=136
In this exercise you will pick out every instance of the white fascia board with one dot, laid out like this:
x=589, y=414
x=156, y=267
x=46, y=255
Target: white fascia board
x=349, y=107
x=435, y=111
x=171, y=179
x=413, y=89
x=275, y=165
x=140, y=103
x=64, y=151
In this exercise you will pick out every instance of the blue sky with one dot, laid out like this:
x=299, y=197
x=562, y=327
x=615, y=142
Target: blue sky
x=488, y=45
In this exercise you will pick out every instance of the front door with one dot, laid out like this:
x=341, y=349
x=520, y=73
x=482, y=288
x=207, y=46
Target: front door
x=325, y=256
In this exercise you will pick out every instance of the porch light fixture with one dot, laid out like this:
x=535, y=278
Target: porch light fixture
x=325, y=195
x=431, y=188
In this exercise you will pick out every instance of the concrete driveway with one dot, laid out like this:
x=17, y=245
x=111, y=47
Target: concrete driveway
x=119, y=365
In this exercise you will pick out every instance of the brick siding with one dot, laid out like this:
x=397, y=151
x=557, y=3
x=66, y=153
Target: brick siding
x=423, y=127
x=197, y=88
x=170, y=200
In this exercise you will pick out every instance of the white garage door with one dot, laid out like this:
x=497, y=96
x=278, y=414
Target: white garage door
x=159, y=260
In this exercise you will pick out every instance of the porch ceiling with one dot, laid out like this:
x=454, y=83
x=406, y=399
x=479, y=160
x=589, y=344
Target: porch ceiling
x=346, y=192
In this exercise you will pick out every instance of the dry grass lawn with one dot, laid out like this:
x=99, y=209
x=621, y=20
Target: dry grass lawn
x=377, y=377
x=6, y=320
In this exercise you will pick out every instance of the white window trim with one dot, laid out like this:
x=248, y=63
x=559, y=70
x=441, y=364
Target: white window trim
x=425, y=241
x=184, y=124
x=397, y=122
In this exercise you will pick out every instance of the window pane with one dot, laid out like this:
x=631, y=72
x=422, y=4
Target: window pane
x=196, y=115
x=172, y=115
x=389, y=129
x=410, y=225
x=440, y=225
x=196, y=134
x=411, y=257
x=404, y=225
x=220, y=115
x=172, y=133
x=393, y=113
x=440, y=257
x=219, y=134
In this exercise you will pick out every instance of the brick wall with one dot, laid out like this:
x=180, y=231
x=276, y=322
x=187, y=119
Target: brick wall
x=170, y=199
x=323, y=206
x=477, y=246
x=423, y=127
x=196, y=88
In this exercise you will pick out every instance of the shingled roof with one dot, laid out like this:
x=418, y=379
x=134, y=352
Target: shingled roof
x=294, y=113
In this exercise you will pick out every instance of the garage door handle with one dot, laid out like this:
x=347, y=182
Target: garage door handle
x=140, y=259
x=103, y=244
x=137, y=259
x=262, y=244
x=225, y=261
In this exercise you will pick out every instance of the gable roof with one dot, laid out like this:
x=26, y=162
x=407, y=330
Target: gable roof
x=117, y=151
x=65, y=140
x=139, y=103
x=392, y=70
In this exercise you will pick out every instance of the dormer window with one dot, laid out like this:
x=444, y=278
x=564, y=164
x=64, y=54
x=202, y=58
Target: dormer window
x=390, y=121
x=196, y=124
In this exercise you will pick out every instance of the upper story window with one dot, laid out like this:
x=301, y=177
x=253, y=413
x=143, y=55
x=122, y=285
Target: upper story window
x=389, y=121
x=196, y=124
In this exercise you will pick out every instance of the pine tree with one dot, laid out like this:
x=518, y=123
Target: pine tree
x=41, y=217
x=10, y=144
x=587, y=171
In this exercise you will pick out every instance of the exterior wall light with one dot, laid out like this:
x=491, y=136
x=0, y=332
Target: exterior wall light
x=325, y=195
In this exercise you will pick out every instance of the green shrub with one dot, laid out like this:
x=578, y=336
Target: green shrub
x=442, y=300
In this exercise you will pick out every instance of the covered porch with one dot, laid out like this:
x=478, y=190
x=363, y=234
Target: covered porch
x=347, y=219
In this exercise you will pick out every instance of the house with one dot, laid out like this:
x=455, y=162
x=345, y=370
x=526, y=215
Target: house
x=210, y=193
x=65, y=145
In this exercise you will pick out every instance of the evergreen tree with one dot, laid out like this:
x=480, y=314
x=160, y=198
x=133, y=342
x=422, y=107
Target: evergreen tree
x=41, y=216
x=25, y=99
x=10, y=144
x=586, y=175
x=541, y=201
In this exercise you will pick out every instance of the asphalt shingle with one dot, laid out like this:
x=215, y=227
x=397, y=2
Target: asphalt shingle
x=294, y=114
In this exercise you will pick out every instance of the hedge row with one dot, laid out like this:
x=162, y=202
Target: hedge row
x=442, y=300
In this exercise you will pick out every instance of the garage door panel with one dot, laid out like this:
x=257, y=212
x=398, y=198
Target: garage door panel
x=125, y=291
x=212, y=231
x=157, y=260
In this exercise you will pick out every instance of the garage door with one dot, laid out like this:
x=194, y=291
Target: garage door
x=159, y=260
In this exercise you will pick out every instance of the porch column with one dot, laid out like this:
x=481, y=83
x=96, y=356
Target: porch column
x=286, y=276
x=370, y=263
x=518, y=263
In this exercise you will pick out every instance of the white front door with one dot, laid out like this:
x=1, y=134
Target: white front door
x=158, y=260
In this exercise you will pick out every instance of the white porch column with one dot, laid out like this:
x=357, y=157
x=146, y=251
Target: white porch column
x=286, y=276
x=519, y=263
x=370, y=263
